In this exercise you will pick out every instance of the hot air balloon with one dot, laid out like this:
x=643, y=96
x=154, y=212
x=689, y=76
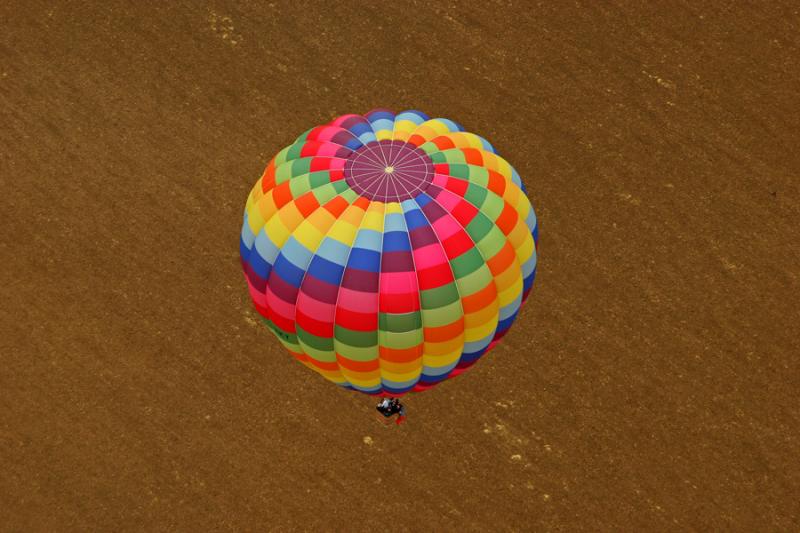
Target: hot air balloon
x=389, y=252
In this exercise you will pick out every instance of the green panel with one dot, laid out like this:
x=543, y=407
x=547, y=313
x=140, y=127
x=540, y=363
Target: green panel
x=283, y=172
x=294, y=151
x=319, y=355
x=439, y=297
x=401, y=341
x=479, y=175
x=454, y=156
x=319, y=177
x=429, y=148
x=443, y=315
x=475, y=195
x=438, y=157
x=492, y=243
x=459, y=171
x=479, y=227
x=346, y=192
x=313, y=341
x=282, y=335
x=399, y=322
x=301, y=166
x=476, y=281
x=492, y=206
x=326, y=192
x=355, y=338
x=466, y=263
x=299, y=186
x=369, y=353
x=281, y=156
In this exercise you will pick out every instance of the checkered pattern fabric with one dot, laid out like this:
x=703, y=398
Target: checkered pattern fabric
x=389, y=252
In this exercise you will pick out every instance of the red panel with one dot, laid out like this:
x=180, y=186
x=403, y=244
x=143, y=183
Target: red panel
x=473, y=156
x=464, y=212
x=458, y=243
x=306, y=204
x=497, y=183
x=507, y=219
x=355, y=320
x=457, y=186
x=435, y=276
x=336, y=206
x=282, y=194
x=399, y=303
x=320, y=163
x=314, y=326
x=268, y=178
x=444, y=143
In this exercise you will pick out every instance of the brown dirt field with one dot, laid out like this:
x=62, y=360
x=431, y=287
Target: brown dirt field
x=651, y=383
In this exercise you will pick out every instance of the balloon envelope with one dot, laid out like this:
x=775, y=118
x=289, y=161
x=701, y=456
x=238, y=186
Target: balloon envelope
x=389, y=252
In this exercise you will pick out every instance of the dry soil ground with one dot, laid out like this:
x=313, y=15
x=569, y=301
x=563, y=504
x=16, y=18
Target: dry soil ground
x=651, y=383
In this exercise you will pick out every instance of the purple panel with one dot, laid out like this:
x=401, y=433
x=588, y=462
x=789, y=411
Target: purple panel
x=360, y=280
x=388, y=171
x=422, y=236
x=397, y=262
x=320, y=290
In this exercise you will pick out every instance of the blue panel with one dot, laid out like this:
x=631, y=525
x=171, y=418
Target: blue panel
x=353, y=144
x=394, y=222
x=334, y=251
x=368, y=239
x=286, y=270
x=396, y=390
x=247, y=234
x=362, y=259
x=259, y=265
x=295, y=252
x=453, y=126
x=325, y=270
x=511, y=308
x=415, y=219
x=414, y=115
x=423, y=199
x=380, y=115
x=359, y=128
x=244, y=251
x=506, y=323
x=396, y=241
x=432, y=380
x=471, y=357
x=528, y=282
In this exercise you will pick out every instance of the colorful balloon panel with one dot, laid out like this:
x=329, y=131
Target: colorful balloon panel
x=389, y=252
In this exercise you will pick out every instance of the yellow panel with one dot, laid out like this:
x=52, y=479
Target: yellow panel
x=482, y=316
x=401, y=368
x=442, y=360
x=322, y=219
x=518, y=235
x=480, y=332
x=308, y=236
x=508, y=277
x=374, y=218
x=511, y=293
x=443, y=348
x=394, y=207
x=277, y=231
x=525, y=251
x=290, y=215
x=363, y=379
x=391, y=376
